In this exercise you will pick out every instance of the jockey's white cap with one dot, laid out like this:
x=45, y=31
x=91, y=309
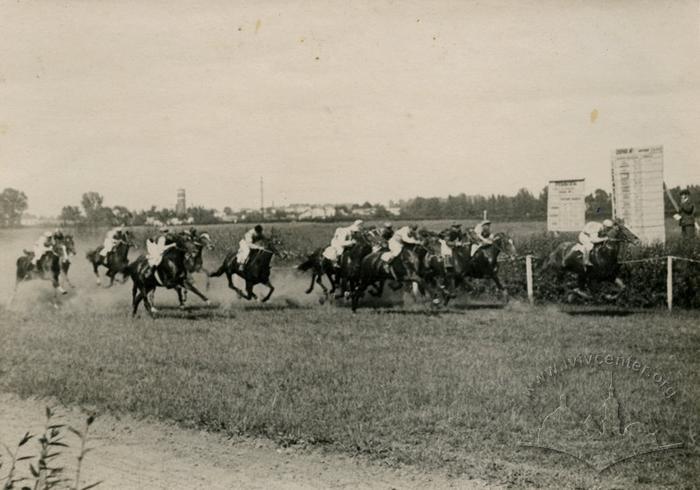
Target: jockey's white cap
x=164, y=229
x=485, y=222
x=387, y=224
x=357, y=223
x=608, y=223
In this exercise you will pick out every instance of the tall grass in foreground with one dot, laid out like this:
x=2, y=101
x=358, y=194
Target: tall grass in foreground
x=46, y=473
x=403, y=386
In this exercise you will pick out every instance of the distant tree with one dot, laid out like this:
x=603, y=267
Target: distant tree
x=71, y=215
x=122, y=215
x=228, y=211
x=202, y=215
x=92, y=204
x=12, y=204
x=598, y=204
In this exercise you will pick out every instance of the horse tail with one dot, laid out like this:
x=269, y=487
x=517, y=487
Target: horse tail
x=91, y=255
x=307, y=264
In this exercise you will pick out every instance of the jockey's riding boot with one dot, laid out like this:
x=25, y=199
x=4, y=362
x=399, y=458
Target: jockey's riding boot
x=393, y=271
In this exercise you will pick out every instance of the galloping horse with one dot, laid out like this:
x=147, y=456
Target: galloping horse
x=170, y=273
x=483, y=264
x=66, y=249
x=568, y=257
x=48, y=267
x=195, y=263
x=256, y=270
x=374, y=271
x=116, y=261
x=320, y=266
x=350, y=262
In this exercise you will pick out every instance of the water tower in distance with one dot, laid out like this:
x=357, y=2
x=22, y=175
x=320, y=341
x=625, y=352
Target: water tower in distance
x=181, y=206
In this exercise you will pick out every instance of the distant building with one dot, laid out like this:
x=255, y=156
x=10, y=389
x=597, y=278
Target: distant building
x=181, y=206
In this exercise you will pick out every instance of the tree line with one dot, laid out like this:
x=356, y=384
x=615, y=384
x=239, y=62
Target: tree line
x=522, y=206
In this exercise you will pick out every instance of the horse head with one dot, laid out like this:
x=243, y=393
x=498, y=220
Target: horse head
x=620, y=233
x=504, y=243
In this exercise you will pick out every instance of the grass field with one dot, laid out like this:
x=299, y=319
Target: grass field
x=453, y=390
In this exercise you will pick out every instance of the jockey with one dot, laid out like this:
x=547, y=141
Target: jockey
x=342, y=238
x=450, y=238
x=111, y=239
x=482, y=233
x=387, y=231
x=382, y=236
x=156, y=248
x=41, y=246
x=249, y=242
x=403, y=236
x=592, y=233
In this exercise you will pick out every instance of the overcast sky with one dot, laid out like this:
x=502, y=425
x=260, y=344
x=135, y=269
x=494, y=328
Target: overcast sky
x=338, y=101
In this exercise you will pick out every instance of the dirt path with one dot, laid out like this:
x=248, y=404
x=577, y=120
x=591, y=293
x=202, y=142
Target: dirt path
x=153, y=455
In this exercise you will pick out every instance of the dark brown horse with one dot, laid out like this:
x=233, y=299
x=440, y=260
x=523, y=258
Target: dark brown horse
x=48, y=267
x=483, y=264
x=256, y=270
x=170, y=273
x=348, y=274
x=66, y=249
x=195, y=263
x=320, y=266
x=374, y=271
x=116, y=261
x=567, y=257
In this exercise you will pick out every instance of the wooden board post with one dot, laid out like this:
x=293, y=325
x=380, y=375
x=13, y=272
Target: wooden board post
x=528, y=273
x=669, y=282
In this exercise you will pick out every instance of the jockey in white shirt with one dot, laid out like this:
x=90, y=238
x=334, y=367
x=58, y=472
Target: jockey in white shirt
x=341, y=239
x=41, y=246
x=403, y=236
x=110, y=240
x=483, y=234
x=249, y=242
x=592, y=233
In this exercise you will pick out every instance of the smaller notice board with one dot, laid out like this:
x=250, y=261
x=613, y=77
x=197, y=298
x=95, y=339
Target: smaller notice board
x=566, y=205
x=638, y=195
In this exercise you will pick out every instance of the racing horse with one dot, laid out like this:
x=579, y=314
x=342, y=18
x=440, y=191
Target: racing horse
x=567, y=257
x=116, y=261
x=66, y=248
x=374, y=271
x=170, y=273
x=195, y=263
x=256, y=270
x=320, y=266
x=348, y=272
x=483, y=263
x=48, y=267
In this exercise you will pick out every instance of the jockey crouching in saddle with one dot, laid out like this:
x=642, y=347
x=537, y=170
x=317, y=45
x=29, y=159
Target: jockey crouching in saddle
x=342, y=238
x=250, y=241
x=111, y=239
x=403, y=236
x=44, y=244
x=482, y=236
x=448, y=239
x=593, y=232
x=155, y=248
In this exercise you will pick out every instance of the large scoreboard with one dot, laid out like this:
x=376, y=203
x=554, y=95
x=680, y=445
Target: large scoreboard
x=638, y=179
x=566, y=205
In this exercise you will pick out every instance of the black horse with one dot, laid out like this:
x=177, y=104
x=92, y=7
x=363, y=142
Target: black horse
x=348, y=274
x=48, y=267
x=567, y=257
x=320, y=266
x=373, y=271
x=170, y=273
x=66, y=249
x=116, y=261
x=483, y=264
x=256, y=270
x=195, y=263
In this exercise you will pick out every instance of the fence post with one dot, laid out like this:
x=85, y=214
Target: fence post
x=669, y=282
x=528, y=274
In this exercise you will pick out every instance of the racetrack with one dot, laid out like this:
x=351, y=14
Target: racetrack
x=397, y=383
